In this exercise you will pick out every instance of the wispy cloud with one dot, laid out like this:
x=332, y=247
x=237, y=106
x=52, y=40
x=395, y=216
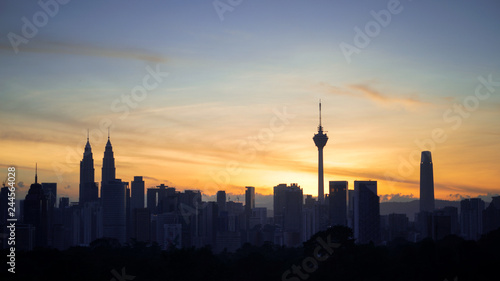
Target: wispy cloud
x=367, y=91
x=377, y=96
x=54, y=47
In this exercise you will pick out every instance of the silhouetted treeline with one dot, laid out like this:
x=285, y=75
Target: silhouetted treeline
x=328, y=255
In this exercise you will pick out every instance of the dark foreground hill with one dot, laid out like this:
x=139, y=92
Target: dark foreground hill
x=328, y=255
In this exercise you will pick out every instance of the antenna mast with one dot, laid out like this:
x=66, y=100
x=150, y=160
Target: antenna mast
x=320, y=112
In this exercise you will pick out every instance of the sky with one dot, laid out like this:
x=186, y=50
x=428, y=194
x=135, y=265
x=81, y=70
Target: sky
x=219, y=95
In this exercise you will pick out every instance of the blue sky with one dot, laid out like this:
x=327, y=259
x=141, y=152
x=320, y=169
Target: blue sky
x=226, y=79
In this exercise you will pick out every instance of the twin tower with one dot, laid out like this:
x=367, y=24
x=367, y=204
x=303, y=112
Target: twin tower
x=88, y=187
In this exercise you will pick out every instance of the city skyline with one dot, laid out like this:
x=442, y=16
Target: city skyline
x=231, y=103
x=405, y=197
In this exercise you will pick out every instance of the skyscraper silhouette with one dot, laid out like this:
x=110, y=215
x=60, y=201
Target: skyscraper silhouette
x=320, y=140
x=366, y=212
x=36, y=212
x=88, y=187
x=113, y=198
x=471, y=218
x=338, y=203
x=249, y=199
x=249, y=204
x=221, y=200
x=137, y=194
x=288, y=201
x=426, y=183
x=108, y=164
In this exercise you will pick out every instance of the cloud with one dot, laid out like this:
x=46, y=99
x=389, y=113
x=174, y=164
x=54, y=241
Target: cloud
x=21, y=184
x=54, y=47
x=370, y=93
x=488, y=196
x=364, y=90
x=397, y=197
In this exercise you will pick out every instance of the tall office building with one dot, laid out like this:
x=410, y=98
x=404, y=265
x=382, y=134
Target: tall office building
x=113, y=198
x=141, y=224
x=279, y=202
x=366, y=212
x=249, y=199
x=320, y=140
x=50, y=190
x=441, y=224
x=36, y=212
x=89, y=211
x=88, y=187
x=63, y=202
x=471, y=218
x=152, y=200
x=491, y=215
x=249, y=205
x=426, y=183
x=397, y=226
x=288, y=201
x=338, y=203
x=91, y=221
x=108, y=165
x=4, y=215
x=137, y=194
x=221, y=200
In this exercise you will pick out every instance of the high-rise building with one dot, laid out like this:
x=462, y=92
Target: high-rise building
x=366, y=212
x=137, y=196
x=288, y=201
x=141, y=225
x=113, y=199
x=279, y=203
x=426, y=183
x=50, y=189
x=491, y=215
x=338, y=203
x=471, y=218
x=221, y=200
x=63, y=202
x=320, y=140
x=152, y=200
x=36, y=212
x=88, y=187
x=249, y=199
x=91, y=221
x=452, y=212
x=4, y=215
x=397, y=225
x=259, y=216
x=350, y=208
x=108, y=165
x=249, y=205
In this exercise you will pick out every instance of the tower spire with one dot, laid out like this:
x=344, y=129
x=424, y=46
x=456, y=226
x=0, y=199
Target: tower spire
x=108, y=133
x=320, y=140
x=88, y=133
x=36, y=172
x=320, y=112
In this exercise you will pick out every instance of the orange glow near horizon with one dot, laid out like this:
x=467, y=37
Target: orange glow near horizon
x=184, y=169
